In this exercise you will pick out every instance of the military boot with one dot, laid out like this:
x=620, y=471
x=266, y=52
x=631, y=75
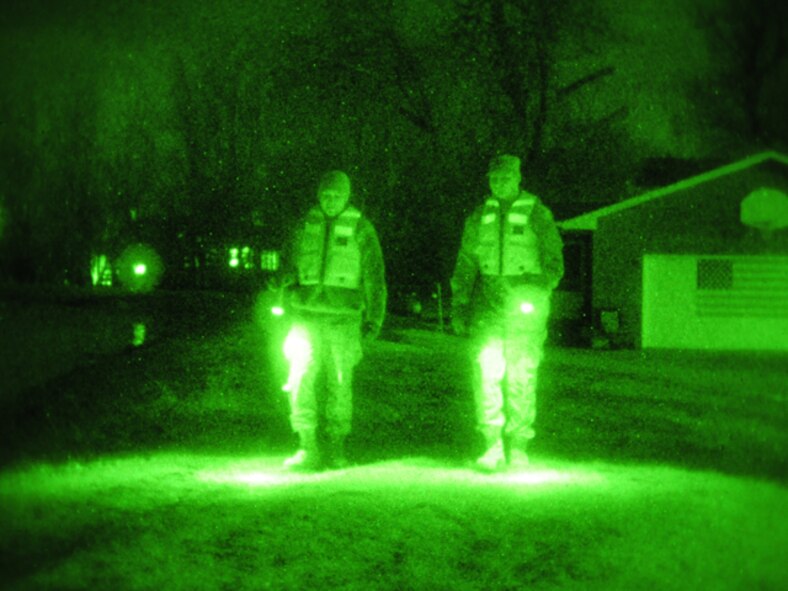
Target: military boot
x=518, y=459
x=307, y=458
x=492, y=460
x=517, y=453
x=336, y=458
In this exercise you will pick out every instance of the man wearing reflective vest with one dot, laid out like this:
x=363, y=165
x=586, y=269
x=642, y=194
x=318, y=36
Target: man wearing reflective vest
x=509, y=263
x=338, y=298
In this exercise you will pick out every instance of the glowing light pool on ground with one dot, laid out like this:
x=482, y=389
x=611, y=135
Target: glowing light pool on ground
x=169, y=472
x=185, y=505
x=404, y=472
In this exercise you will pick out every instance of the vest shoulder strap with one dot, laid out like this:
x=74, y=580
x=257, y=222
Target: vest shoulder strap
x=351, y=213
x=525, y=201
x=490, y=211
x=315, y=216
x=350, y=216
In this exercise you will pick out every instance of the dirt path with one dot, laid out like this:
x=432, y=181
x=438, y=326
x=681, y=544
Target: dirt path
x=185, y=521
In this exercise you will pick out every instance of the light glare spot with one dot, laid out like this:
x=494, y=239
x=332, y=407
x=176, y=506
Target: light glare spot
x=298, y=352
x=139, y=334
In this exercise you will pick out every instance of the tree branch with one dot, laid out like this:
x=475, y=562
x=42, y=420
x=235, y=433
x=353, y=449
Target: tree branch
x=572, y=87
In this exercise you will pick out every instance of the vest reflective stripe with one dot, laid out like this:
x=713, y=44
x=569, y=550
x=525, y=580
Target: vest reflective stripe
x=333, y=260
x=510, y=248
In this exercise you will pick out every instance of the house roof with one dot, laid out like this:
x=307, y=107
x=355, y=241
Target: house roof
x=588, y=221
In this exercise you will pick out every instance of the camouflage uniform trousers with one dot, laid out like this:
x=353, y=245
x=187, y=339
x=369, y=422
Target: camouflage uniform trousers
x=336, y=350
x=505, y=380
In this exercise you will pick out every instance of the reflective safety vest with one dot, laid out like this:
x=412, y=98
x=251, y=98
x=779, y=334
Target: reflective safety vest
x=329, y=252
x=508, y=247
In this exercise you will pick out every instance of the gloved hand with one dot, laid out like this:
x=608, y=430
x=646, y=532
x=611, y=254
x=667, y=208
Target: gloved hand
x=369, y=331
x=537, y=281
x=276, y=283
x=459, y=324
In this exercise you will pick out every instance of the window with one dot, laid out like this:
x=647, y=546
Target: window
x=269, y=260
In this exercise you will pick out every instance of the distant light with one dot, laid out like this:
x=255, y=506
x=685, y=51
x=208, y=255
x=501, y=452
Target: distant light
x=277, y=311
x=139, y=268
x=526, y=308
x=234, y=260
x=247, y=257
x=139, y=334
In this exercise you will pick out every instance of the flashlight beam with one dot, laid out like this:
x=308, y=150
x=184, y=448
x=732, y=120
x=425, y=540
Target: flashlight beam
x=298, y=351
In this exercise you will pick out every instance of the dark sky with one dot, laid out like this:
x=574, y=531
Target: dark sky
x=655, y=46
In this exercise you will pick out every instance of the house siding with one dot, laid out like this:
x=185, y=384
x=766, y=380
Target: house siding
x=704, y=219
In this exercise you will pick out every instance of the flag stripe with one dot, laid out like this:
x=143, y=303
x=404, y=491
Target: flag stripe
x=739, y=288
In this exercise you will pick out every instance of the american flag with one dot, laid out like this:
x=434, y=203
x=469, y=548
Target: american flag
x=742, y=287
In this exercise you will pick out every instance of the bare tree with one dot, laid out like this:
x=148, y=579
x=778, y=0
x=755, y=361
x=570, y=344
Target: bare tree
x=749, y=42
x=218, y=99
x=519, y=46
x=518, y=41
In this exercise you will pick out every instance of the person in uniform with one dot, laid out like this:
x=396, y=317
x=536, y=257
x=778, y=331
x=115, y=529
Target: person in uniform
x=337, y=300
x=510, y=261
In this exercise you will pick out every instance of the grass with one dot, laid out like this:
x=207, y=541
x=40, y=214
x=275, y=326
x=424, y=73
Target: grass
x=159, y=467
x=197, y=521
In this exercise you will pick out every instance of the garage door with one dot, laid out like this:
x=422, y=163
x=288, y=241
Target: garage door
x=715, y=302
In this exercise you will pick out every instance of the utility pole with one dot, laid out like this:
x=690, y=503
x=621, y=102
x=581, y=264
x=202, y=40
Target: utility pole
x=440, y=307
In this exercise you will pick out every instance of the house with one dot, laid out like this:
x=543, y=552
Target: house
x=699, y=264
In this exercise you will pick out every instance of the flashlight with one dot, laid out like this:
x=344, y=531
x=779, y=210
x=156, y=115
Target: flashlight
x=278, y=308
x=526, y=307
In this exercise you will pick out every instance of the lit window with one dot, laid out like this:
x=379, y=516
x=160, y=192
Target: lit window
x=269, y=260
x=247, y=257
x=100, y=270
